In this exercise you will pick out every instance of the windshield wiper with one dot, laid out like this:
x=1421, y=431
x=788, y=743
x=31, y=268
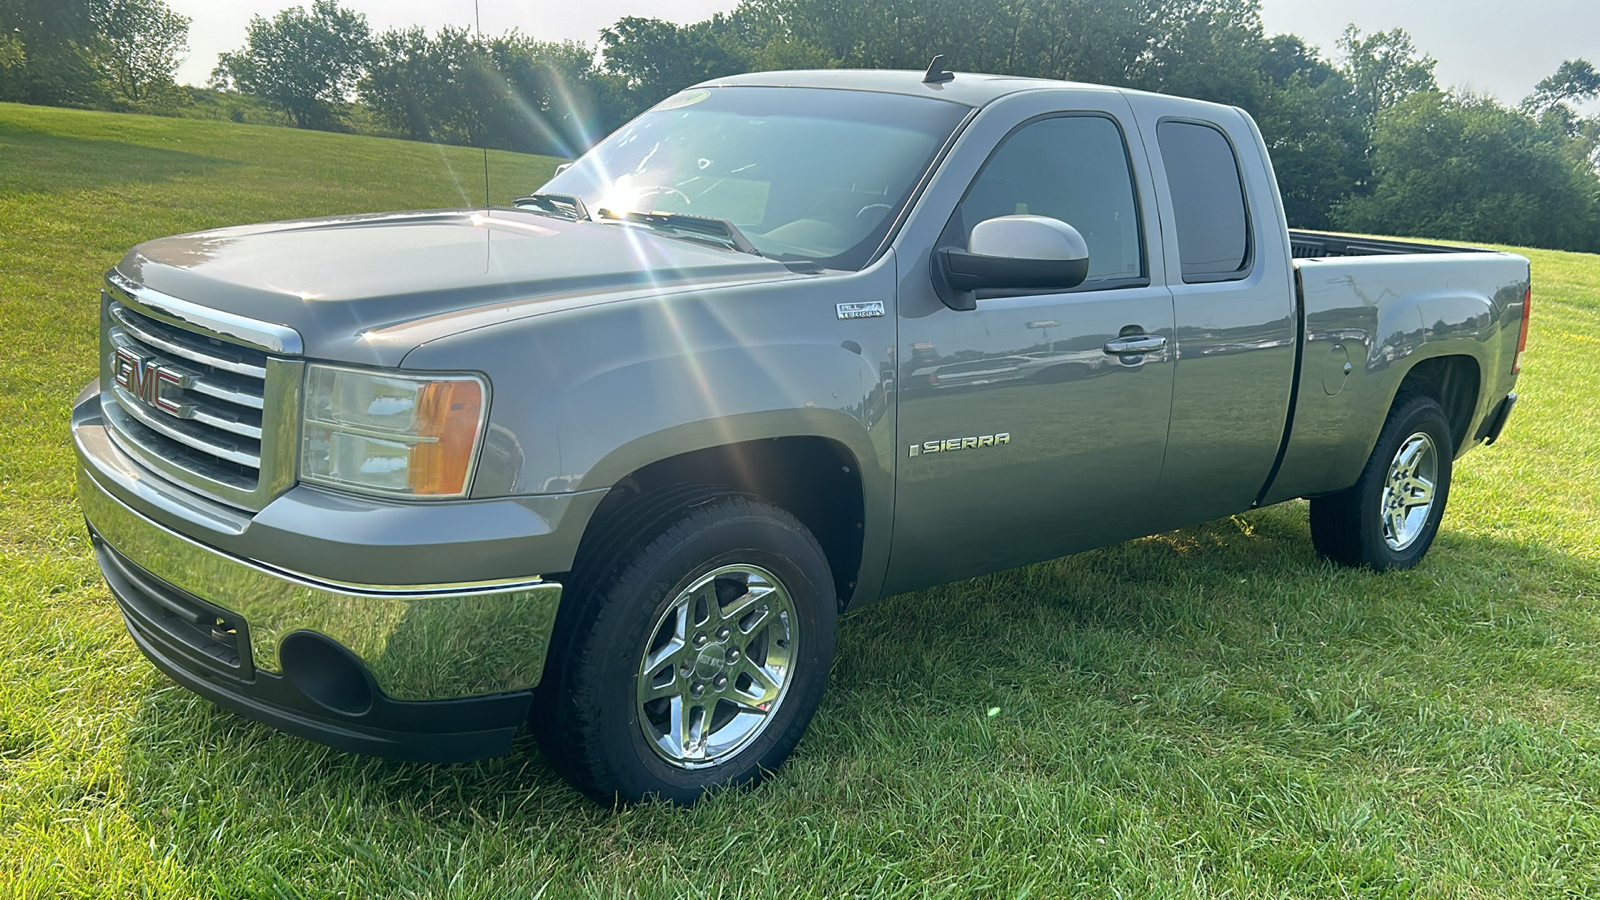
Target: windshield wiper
x=564, y=205
x=699, y=228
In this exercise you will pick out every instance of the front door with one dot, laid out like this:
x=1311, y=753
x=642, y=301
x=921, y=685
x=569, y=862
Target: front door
x=1028, y=429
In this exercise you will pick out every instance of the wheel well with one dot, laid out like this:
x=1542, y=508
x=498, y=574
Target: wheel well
x=817, y=480
x=1451, y=380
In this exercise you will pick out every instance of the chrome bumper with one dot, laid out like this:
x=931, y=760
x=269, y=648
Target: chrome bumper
x=419, y=642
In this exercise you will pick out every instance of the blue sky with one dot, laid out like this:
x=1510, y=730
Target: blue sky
x=1491, y=46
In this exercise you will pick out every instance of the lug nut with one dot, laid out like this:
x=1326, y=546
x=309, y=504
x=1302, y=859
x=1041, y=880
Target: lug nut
x=697, y=689
x=722, y=633
x=733, y=654
x=719, y=682
x=700, y=640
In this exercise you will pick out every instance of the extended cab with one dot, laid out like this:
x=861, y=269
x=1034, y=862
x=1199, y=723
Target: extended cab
x=613, y=459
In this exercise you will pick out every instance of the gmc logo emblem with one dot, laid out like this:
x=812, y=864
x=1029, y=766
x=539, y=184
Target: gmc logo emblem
x=148, y=380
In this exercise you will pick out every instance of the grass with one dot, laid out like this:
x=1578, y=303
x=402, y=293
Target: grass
x=1209, y=712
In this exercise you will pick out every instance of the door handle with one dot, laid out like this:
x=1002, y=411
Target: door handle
x=1136, y=343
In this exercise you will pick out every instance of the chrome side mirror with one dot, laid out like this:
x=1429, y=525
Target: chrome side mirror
x=1016, y=252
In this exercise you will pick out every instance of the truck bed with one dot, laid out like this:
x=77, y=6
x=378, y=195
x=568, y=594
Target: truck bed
x=1362, y=318
x=1319, y=245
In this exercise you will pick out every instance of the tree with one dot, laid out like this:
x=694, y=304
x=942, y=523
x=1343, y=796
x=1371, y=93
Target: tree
x=548, y=95
x=510, y=92
x=142, y=43
x=45, y=52
x=1553, y=98
x=1384, y=68
x=1467, y=168
x=1317, y=140
x=413, y=82
x=1575, y=79
x=304, y=63
x=653, y=58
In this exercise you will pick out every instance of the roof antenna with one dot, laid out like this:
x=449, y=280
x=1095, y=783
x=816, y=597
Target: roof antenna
x=936, y=72
x=477, y=28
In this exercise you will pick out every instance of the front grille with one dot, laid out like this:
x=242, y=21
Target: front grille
x=207, y=400
x=208, y=418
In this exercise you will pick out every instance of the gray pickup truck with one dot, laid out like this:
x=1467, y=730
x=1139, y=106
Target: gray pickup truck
x=613, y=459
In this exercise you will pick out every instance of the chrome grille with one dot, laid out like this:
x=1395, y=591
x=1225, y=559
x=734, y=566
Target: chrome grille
x=206, y=411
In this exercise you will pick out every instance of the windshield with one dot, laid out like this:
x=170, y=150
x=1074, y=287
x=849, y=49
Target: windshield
x=803, y=173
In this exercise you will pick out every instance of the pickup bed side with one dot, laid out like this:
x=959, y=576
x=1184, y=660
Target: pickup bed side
x=1409, y=317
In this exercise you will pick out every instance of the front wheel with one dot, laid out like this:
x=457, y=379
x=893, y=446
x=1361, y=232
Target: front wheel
x=1389, y=517
x=699, y=663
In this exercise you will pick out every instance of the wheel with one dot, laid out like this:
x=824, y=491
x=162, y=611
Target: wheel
x=697, y=661
x=1388, y=518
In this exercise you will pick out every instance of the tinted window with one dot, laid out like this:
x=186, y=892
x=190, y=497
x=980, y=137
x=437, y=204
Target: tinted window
x=1072, y=168
x=1207, y=200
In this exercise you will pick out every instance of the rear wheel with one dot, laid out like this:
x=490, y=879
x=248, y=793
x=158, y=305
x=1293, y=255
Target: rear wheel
x=699, y=663
x=1389, y=517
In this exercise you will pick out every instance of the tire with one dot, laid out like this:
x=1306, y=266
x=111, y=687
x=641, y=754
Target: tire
x=695, y=659
x=1389, y=517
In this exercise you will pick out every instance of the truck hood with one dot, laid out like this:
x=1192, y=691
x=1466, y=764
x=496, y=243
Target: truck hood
x=371, y=288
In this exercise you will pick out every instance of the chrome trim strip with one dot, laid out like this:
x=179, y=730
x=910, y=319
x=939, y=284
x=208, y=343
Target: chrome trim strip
x=198, y=382
x=421, y=642
x=135, y=448
x=114, y=465
x=202, y=385
x=160, y=343
x=229, y=425
x=130, y=405
x=267, y=336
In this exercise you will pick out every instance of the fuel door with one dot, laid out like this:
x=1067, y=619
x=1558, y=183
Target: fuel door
x=1336, y=370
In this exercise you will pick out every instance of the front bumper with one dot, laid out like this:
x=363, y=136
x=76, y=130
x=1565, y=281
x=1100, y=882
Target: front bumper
x=429, y=672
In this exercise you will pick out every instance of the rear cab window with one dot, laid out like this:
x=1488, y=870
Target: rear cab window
x=1208, y=201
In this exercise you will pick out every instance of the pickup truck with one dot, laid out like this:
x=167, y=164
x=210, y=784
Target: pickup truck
x=613, y=459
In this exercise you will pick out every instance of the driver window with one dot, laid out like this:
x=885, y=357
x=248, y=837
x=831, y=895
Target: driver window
x=1072, y=168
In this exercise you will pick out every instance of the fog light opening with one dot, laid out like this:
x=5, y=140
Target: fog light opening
x=326, y=672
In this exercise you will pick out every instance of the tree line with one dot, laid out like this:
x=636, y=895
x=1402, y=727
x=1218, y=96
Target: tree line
x=1364, y=141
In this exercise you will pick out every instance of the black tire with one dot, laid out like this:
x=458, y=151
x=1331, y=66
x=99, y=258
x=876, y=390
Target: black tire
x=591, y=721
x=1358, y=526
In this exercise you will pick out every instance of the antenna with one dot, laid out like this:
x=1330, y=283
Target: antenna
x=936, y=72
x=477, y=27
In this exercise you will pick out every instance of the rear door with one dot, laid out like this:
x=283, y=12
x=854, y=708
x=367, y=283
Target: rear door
x=1022, y=436
x=1234, y=307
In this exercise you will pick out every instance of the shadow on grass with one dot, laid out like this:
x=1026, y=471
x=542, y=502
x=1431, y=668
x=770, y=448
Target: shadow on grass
x=1239, y=600
x=44, y=163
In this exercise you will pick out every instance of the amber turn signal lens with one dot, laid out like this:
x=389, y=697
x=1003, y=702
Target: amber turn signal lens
x=450, y=413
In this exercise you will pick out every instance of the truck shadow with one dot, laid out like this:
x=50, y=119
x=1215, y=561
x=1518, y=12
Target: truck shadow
x=1180, y=615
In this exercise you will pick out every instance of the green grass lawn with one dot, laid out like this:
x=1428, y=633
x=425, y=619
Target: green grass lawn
x=1209, y=712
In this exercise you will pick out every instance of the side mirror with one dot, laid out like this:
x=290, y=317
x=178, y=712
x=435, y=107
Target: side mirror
x=1018, y=252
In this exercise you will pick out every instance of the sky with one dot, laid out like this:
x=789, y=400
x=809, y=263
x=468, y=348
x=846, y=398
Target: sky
x=1489, y=46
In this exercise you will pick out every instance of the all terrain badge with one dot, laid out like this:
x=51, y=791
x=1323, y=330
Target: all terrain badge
x=868, y=309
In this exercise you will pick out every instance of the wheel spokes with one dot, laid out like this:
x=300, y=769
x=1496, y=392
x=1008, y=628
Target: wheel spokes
x=747, y=604
x=716, y=670
x=1409, y=493
x=763, y=687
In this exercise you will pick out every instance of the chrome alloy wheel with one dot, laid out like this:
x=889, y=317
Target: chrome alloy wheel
x=1408, y=493
x=716, y=666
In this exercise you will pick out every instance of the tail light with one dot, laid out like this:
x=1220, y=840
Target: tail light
x=1522, y=339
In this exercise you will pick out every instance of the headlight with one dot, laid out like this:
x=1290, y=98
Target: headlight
x=391, y=434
